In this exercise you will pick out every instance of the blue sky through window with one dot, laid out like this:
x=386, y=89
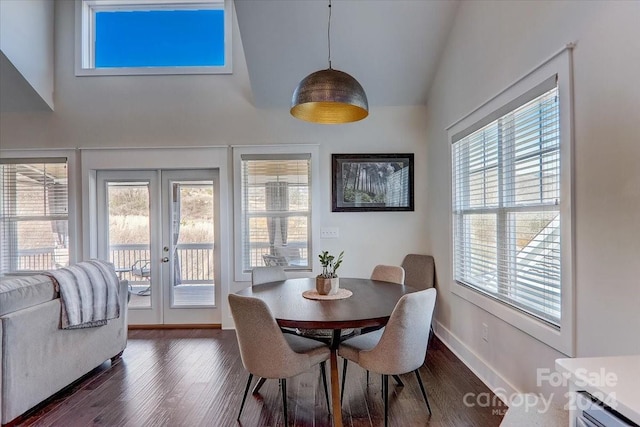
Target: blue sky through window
x=159, y=38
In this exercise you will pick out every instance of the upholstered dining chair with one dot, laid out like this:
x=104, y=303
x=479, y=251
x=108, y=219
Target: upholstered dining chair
x=388, y=273
x=420, y=273
x=397, y=349
x=267, y=352
x=384, y=273
x=260, y=275
x=391, y=274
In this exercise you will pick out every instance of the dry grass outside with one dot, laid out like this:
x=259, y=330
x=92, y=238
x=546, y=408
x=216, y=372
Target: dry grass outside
x=134, y=229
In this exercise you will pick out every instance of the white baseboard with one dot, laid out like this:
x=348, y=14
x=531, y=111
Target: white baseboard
x=487, y=374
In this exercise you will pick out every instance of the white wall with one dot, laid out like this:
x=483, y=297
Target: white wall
x=492, y=44
x=174, y=111
x=26, y=39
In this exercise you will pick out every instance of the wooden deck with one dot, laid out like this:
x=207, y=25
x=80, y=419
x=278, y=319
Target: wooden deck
x=184, y=295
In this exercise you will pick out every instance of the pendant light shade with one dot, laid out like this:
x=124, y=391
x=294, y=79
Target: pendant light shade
x=329, y=97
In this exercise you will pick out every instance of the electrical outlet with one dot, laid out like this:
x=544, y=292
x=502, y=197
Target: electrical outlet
x=329, y=232
x=485, y=332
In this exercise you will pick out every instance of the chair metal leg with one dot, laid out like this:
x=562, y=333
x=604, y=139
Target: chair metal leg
x=424, y=393
x=385, y=396
x=283, y=383
x=258, y=385
x=398, y=381
x=244, y=398
x=344, y=377
x=323, y=370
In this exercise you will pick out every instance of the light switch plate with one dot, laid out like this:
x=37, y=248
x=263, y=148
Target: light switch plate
x=329, y=232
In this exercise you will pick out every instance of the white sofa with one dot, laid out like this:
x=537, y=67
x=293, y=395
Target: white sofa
x=38, y=358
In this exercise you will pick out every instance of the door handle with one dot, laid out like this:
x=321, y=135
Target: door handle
x=165, y=259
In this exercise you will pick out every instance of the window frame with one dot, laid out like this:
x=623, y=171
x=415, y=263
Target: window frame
x=274, y=150
x=72, y=193
x=85, y=36
x=560, y=338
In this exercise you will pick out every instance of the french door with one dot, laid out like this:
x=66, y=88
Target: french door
x=159, y=228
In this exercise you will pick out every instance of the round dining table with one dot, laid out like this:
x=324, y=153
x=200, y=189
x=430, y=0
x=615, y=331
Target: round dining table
x=370, y=305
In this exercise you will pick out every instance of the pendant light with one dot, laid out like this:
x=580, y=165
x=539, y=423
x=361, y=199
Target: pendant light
x=329, y=96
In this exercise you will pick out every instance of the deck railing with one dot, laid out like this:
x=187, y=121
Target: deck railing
x=36, y=259
x=196, y=261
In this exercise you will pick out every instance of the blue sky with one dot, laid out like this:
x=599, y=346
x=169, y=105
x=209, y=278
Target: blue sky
x=159, y=38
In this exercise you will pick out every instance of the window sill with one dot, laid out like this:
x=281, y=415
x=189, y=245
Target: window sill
x=151, y=71
x=559, y=339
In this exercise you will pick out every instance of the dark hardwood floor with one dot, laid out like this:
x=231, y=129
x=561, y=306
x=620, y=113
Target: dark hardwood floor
x=195, y=378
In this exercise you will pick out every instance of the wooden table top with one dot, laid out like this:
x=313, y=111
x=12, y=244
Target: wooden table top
x=370, y=305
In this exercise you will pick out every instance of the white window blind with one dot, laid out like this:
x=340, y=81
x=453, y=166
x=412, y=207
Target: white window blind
x=34, y=214
x=506, y=204
x=276, y=210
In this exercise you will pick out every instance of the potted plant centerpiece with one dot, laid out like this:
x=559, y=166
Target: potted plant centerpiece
x=328, y=283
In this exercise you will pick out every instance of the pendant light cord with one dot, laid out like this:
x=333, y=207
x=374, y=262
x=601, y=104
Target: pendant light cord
x=329, y=34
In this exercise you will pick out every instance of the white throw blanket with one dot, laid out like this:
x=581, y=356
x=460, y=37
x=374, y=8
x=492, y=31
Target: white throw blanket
x=88, y=294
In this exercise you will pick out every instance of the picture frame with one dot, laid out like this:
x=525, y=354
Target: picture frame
x=372, y=182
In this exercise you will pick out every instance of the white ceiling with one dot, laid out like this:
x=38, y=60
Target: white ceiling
x=390, y=46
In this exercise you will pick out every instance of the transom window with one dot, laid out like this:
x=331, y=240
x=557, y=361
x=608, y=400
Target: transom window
x=506, y=205
x=153, y=37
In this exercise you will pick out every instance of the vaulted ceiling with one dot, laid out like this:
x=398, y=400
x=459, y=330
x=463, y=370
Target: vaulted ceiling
x=391, y=47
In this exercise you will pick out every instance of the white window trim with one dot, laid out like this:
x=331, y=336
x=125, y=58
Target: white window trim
x=238, y=151
x=72, y=189
x=84, y=36
x=562, y=339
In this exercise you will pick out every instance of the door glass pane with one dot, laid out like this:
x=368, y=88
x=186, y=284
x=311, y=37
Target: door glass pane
x=129, y=238
x=192, y=235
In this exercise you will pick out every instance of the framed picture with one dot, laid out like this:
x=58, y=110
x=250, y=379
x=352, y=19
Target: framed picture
x=372, y=182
